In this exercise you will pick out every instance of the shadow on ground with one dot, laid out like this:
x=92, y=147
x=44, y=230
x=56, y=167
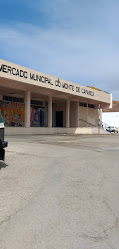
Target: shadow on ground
x=3, y=165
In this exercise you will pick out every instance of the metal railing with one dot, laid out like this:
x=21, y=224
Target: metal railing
x=100, y=124
x=103, y=125
x=88, y=123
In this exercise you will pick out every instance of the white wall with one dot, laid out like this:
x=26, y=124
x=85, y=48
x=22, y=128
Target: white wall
x=111, y=118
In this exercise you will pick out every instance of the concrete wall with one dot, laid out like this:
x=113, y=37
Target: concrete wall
x=89, y=115
x=83, y=116
x=73, y=114
x=93, y=116
x=10, y=131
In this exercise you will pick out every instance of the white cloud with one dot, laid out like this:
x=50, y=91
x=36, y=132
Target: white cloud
x=70, y=47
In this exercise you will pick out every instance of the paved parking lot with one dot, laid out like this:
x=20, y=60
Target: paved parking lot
x=60, y=192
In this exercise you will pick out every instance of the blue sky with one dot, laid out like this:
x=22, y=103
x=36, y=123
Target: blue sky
x=77, y=40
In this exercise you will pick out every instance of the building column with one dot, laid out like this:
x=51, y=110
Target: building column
x=50, y=112
x=77, y=114
x=27, y=108
x=99, y=116
x=67, y=113
x=87, y=115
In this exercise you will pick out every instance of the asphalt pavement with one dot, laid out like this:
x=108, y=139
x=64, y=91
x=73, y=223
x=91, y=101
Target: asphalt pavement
x=60, y=192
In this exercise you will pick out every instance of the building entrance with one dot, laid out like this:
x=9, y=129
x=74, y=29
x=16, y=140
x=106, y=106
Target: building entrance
x=59, y=118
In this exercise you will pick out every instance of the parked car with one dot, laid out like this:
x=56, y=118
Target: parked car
x=3, y=144
x=112, y=129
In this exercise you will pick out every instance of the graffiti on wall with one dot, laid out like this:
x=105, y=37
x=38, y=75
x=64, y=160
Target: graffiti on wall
x=13, y=113
x=36, y=117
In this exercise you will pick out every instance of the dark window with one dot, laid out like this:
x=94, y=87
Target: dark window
x=90, y=106
x=13, y=99
x=82, y=104
x=36, y=103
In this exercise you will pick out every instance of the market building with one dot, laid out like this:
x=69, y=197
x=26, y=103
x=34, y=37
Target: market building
x=32, y=102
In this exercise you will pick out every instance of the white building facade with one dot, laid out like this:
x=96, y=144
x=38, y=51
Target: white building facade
x=32, y=102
